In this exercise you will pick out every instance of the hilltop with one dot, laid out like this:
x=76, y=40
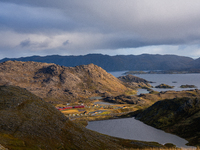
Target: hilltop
x=28, y=122
x=119, y=62
x=58, y=83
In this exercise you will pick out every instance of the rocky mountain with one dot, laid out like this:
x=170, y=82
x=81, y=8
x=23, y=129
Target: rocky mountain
x=119, y=62
x=28, y=122
x=58, y=83
x=180, y=116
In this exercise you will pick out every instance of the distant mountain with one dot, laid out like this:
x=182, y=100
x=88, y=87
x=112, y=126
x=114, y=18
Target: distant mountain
x=195, y=64
x=58, y=83
x=119, y=62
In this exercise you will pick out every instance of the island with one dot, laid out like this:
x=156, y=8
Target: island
x=164, y=86
x=188, y=86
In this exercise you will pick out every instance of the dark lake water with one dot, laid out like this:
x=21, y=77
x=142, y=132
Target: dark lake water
x=130, y=128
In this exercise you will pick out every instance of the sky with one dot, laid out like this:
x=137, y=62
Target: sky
x=113, y=27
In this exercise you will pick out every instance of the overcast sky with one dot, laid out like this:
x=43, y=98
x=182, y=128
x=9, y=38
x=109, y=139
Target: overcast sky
x=113, y=27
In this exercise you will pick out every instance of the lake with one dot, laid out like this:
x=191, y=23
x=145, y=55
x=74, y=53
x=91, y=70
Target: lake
x=130, y=128
x=175, y=80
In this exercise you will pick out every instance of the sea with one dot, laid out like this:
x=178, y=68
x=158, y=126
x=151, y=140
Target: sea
x=175, y=80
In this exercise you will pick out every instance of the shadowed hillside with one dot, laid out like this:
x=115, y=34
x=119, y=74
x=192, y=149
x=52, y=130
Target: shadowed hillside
x=58, y=83
x=180, y=116
x=28, y=122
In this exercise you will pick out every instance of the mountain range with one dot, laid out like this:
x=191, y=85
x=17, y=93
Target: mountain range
x=120, y=62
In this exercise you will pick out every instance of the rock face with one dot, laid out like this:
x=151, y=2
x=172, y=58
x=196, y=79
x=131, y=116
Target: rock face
x=180, y=116
x=134, y=82
x=28, y=122
x=57, y=83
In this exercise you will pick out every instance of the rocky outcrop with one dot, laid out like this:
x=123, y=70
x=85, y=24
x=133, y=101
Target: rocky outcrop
x=57, y=83
x=124, y=99
x=134, y=82
x=180, y=116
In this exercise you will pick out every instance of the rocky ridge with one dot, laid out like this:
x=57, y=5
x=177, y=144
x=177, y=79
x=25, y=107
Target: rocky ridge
x=58, y=83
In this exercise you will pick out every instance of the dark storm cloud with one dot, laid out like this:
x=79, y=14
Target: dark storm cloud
x=33, y=19
x=105, y=24
x=25, y=43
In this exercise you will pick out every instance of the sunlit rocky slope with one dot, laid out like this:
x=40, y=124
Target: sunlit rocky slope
x=58, y=83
